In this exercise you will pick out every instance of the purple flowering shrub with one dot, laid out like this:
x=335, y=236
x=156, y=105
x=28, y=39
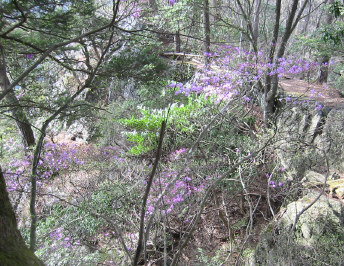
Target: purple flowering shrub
x=231, y=76
x=183, y=189
x=57, y=159
x=84, y=229
x=233, y=71
x=91, y=178
x=116, y=189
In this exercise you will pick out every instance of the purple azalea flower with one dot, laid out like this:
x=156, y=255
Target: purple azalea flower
x=246, y=99
x=272, y=184
x=318, y=107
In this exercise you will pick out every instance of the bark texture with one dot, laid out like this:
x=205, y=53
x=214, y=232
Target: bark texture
x=271, y=86
x=17, y=111
x=325, y=60
x=206, y=25
x=13, y=250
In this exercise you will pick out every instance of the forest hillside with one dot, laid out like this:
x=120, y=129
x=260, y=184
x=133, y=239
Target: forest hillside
x=179, y=132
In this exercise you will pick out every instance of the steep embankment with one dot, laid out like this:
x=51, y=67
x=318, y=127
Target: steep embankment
x=309, y=228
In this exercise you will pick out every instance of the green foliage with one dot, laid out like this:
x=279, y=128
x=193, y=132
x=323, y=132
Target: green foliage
x=333, y=34
x=182, y=72
x=328, y=38
x=145, y=128
x=142, y=64
x=65, y=234
x=330, y=245
x=9, y=141
x=145, y=131
x=337, y=8
x=338, y=77
x=170, y=15
x=54, y=21
x=156, y=94
x=212, y=260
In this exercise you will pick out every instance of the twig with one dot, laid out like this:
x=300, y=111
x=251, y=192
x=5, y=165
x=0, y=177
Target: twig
x=140, y=242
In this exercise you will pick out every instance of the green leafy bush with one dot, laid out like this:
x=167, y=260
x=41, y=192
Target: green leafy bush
x=145, y=128
x=141, y=64
x=69, y=235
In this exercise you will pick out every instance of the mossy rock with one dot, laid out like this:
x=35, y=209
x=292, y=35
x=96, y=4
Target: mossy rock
x=317, y=240
x=337, y=187
x=333, y=139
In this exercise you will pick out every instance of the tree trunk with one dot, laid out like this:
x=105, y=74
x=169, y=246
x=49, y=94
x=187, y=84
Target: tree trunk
x=307, y=19
x=13, y=251
x=206, y=25
x=256, y=23
x=23, y=125
x=177, y=42
x=214, y=11
x=267, y=102
x=18, y=114
x=272, y=82
x=21, y=120
x=323, y=75
x=325, y=60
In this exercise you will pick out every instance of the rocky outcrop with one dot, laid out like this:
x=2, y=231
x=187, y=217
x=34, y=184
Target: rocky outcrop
x=311, y=149
x=318, y=238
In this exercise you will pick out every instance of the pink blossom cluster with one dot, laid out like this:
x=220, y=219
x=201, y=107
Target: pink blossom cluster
x=273, y=183
x=183, y=188
x=233, y=69
x=177, y=153
x=61, y=240
x=57, y=158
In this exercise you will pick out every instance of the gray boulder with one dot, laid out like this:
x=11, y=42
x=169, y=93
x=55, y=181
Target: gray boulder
x=318, y=238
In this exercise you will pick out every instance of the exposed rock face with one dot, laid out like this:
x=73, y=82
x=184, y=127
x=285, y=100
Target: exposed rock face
x=311, y=149
x=310, y=138
x=317, y=240
x=333, y=139
x=300, y=133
